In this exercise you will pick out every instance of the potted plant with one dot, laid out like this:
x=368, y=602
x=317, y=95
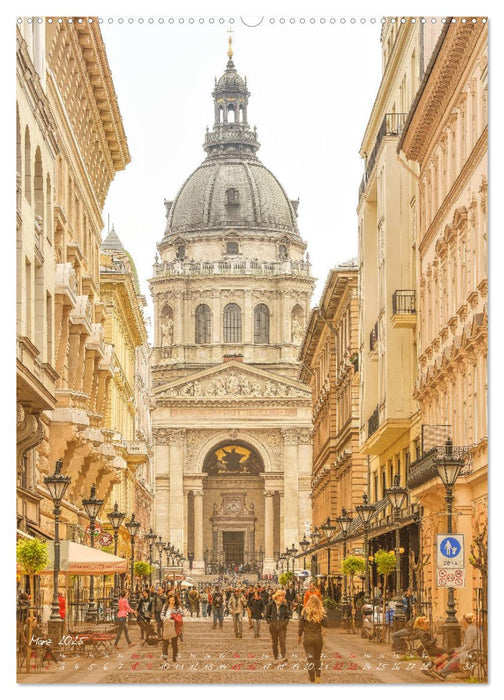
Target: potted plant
x=32, y=556
x=333, y=612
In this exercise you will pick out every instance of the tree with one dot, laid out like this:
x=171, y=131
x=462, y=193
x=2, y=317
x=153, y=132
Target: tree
x=385, y=565
x=350, y=567
x=33, y=557
x=285, y=578
x=143, y=569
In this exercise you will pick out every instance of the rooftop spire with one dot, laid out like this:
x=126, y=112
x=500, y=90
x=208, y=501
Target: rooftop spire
x=230, y=40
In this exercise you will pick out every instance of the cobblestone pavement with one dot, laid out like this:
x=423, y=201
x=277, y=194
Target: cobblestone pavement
x=215, y=656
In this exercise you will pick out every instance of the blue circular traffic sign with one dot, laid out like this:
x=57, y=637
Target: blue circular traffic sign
x=450, y=547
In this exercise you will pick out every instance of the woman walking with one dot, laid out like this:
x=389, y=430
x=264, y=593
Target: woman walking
x=171, y=616
x=310, y=633
x=256, y=607
x=122, y=618
x=277, y=617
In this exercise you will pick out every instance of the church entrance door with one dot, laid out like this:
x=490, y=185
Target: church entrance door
x=233, y=546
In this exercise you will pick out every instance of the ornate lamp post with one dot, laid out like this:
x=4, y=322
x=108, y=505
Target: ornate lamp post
x=365, y=511
x=92, y=507
x=344, y=521
x=160, y=548
x=315, y=538
x=116, y=520
x=57, y=485
x=449, y=467
x=133, y=527
x=292, y=552
x=328, y=529
x=151, y=537
x=304, y=544
x=396, y=495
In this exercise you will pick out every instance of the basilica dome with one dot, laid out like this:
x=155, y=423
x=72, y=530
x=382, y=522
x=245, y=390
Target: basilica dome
x=232, y=192
x=231, y=189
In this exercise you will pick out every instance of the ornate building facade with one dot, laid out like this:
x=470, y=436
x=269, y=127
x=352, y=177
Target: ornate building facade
x=445, y=140
x=231, y=422
x=69, y=150
x=125, y=413
x=387, y=210
x=329, y=358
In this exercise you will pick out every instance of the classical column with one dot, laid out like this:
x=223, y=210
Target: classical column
x=269, y=562
x=198, y=562
x=291, y=497
x=176, y=440
x=162, y=480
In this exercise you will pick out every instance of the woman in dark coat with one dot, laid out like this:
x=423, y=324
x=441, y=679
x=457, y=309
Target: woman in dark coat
x=310, y=633
x=256, y=607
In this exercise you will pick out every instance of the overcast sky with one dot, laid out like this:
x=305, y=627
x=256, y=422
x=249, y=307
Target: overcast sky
x=312, y=89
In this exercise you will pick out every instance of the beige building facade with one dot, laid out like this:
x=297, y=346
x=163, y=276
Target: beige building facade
x=231, y=422
x=445, y=140
x=329, y=359
x=387, y=214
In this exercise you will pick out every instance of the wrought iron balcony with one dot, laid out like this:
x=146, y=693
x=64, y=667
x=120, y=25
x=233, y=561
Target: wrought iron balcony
x=392, y=125
x=404, y=301
x=424, y=468
x=373, y=422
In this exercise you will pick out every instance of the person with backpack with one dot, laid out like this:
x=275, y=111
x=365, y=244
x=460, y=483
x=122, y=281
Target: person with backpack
x=218, y=607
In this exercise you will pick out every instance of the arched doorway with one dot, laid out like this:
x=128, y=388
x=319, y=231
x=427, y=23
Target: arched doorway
x=233, y=504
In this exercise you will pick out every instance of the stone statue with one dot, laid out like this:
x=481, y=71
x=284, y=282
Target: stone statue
x=167, y=332
x=296, y=330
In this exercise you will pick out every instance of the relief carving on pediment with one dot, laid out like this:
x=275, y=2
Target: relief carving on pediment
x=233, y=384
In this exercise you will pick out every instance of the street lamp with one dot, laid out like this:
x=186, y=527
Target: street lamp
x=92, y=507
x=449, y=468
x=396, y=495
x=151, y=537
x=365, y=512
x=133, y=527
x=116, y=520
x=57, y=485
x=304, y=544
x=315, y=538
x=160, y=548
x=328, y=529
x=292, y=552
x=344, y=521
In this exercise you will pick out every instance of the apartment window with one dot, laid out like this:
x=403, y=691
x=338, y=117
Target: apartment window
x=232, y=324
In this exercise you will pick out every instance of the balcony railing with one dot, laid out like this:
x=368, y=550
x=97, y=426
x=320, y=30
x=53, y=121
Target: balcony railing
x=404, y=301
x=373, y=422
x=392, y=125
x=232, y=267
x=373, y=337
x=424, y=468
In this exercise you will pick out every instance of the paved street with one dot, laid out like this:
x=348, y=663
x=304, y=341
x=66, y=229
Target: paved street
x=215, y=656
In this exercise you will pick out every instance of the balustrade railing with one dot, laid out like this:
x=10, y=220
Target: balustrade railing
x=235, y=267
x=404, y=301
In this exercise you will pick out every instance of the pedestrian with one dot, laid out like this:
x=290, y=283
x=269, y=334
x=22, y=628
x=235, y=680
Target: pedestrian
x=218, y=607
x=156, y=608
x=277, y=617
x=172, y=617
x=61, y=605
x=237, y=606
x=460, y=655
x=312, y=590
x=256, y=607
x=204, y=602
x=311, y=622
x=122, y=618
x=144, y=608
x=194, y=602
x=409, y=601
x=290, y=596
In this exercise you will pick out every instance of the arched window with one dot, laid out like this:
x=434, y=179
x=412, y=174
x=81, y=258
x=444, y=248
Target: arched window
x=39, y=185
x=27, y=164
x=261, y=324
x=232, y=324
x=203, y=324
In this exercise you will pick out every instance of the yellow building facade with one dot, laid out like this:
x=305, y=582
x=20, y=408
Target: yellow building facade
x=445, y=141
x=329, y=358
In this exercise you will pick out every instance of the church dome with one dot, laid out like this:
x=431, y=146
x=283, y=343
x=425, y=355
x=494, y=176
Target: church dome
x=231, y=192
x=231, y=188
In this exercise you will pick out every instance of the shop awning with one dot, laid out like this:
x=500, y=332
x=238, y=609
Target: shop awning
x=80, y=560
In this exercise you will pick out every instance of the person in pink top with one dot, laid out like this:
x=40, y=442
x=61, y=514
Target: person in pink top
x=122, y=618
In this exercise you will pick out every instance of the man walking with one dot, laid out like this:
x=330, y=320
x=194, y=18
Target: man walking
x=277, y=617
x=156, y=607
x=217, y=607
x=237, y=605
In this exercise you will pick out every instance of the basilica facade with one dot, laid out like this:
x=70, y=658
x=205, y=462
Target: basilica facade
x=231, y=287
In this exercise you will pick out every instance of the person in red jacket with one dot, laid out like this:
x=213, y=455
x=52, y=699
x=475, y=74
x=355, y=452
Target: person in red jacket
x=122, y=618
x=62, y=605
x=312, y=590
